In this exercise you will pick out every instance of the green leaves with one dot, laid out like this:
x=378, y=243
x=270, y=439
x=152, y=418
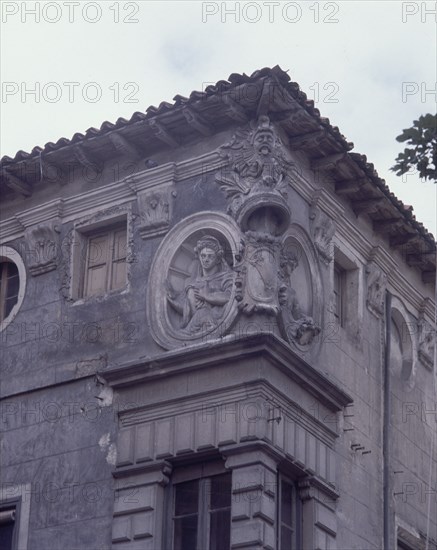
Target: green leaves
x=422, y=151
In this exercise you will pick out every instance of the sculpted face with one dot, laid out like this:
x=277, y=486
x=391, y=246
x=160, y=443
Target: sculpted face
x=208, y=258
x=264, y=142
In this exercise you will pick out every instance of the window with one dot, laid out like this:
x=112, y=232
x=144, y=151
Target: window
x=347, y=306
x=339, y=291
x=8, y=531
x=9, y=287
x=105, y=265
x=202, y=513
x=287, y=515
x=12, y=285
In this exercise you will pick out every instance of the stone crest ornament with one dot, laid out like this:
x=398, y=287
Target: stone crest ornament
x=376, y=284
x=257, y=170
x=43, y=243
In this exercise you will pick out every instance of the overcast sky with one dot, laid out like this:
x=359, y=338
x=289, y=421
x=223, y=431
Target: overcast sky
x=370, y=66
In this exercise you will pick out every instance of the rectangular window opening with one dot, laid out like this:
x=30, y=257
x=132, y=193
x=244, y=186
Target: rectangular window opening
x=105, y=263
x=202, y=513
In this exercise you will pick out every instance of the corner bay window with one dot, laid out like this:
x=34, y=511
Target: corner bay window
x=105, y=265
x=9, y=287
x=202, y=513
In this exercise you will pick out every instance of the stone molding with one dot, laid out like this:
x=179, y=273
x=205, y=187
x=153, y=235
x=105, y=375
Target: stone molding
x=220, y=351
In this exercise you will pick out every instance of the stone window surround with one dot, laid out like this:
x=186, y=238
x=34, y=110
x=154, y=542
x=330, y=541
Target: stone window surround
x=351, y=288
x=85, y=228
x=197, y=470
x=10, y=254
x=18, y=495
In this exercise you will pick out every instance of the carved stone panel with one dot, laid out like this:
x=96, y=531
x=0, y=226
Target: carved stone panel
x=376, y=284
x=300, y=292
x=191, y=290
x=426, y=343
x=155, y=207
x=322, y=231
x=43, y=246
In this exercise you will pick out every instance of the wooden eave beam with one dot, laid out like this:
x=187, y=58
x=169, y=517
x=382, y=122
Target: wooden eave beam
x=312, y=138
x=84, y=158
x=428, y=276
x=233, y=109
x=123, y=146
x=420, y=257
x=162, y=134
x=366, y=206
x=17, y=184
x=196, y=122
x=401, y=240
x=349, y=187
x=329, y=162
x=264, y=102
x=386, y=225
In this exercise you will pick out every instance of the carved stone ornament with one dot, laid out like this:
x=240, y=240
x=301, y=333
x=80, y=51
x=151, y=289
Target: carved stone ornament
x=426, y=343
x=43, y=248
x=211, y=267
x=257, y=172
x=155, y=208
x=322, y=231
x=376, y=284
x=191, y=290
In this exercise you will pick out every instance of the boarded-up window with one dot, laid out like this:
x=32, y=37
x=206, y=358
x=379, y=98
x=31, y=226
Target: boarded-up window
x=105, y=267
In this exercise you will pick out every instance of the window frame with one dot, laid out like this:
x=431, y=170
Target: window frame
x=82, y=232
x=339, y=294
x=348, y=273
x=8, y=254
x=203, y=473
x=296, y=513
x=111, y=232
x=18, y=496
x=14, y=504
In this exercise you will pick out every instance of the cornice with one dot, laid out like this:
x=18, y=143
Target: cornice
x=223, y=351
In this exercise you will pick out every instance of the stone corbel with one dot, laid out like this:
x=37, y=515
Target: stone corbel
x=155, y=209
x=43, y=244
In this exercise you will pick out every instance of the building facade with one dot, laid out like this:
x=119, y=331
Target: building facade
x=217, y=329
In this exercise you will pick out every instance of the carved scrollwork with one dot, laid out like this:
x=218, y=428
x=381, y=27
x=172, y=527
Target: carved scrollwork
x=43, y=247
x=299, y=327
x=256, y=165
x=155, y=207
x=376, y=284
x=322, y=230
x=426, y=343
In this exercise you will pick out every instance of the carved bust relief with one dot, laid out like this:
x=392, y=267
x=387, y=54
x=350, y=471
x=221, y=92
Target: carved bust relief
x=192, y=282
x=199, y=295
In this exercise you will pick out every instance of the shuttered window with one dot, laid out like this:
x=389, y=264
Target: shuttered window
x=105, y=268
